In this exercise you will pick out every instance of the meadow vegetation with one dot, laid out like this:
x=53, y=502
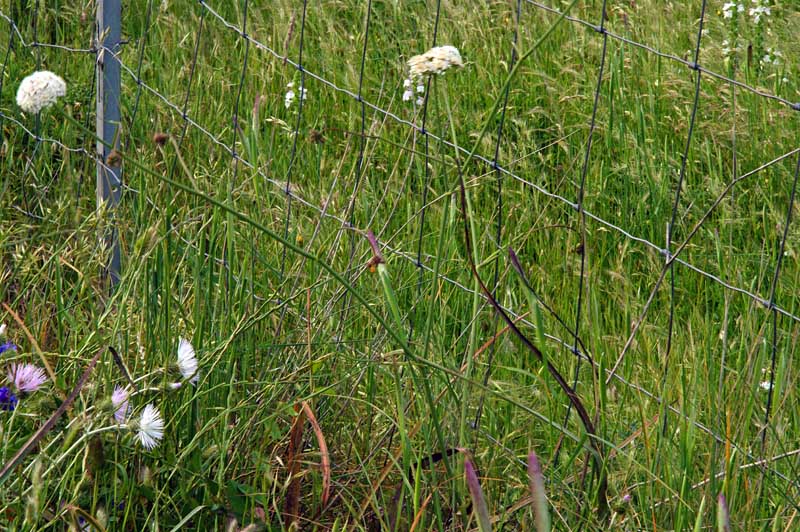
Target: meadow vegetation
x=343, y=384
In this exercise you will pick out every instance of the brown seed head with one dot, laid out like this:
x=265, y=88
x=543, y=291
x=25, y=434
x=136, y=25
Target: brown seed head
x=160, y=138
x=114, y=158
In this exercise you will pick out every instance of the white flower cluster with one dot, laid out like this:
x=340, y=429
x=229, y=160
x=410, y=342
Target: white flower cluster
x=760, y=9
x=729, y=50
x=771, y=57
x=288, y=99
x=730, y=8
x=39, y=90
x=436, y=61
x=150, y=425
x=408, y=94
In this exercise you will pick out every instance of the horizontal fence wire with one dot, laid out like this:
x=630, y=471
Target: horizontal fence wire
x=491, y=162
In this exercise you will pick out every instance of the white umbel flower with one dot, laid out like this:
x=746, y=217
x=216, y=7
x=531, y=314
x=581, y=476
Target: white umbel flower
x=151, y=427
x=39, y=90
x=435, y=61
x=187, y=361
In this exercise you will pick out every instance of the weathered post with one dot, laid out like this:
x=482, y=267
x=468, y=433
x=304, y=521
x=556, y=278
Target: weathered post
x=109, y=169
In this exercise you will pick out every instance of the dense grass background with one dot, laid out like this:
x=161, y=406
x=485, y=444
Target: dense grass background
x=274, y=328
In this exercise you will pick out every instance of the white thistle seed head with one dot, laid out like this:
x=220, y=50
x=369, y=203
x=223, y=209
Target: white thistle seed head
x=39, y=90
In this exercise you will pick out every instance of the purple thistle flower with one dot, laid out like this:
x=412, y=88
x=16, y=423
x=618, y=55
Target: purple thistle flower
x=27, y=377
x=7, y=346
x=8, y=401
x=121, y=406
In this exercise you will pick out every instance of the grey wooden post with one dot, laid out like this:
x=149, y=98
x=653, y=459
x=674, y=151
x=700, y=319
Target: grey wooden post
x=109, y=169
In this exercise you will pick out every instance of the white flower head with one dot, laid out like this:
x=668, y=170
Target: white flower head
x=187, y=361
x=727, y=9
x=437, y=60
x=290, y=95
x=766, y=385
x=39, y=90
x=2, y=329
x=760, y=10
x=151, y=427
x=408, y=94
x=730, y=8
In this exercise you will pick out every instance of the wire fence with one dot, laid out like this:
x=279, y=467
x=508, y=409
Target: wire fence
x=209, y=13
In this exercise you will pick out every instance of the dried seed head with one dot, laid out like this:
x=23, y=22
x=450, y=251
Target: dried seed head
x=160, y=138
x=114, y=158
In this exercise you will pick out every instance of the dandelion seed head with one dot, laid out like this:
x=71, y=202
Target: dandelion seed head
x=40, y=90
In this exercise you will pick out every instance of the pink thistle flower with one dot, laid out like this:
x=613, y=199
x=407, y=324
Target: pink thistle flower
x=27, y=377
x=119, y=399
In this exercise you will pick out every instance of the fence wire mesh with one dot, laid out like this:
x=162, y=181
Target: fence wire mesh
x=686, y=247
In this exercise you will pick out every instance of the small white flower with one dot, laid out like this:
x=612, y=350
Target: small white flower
x=151, y=427
x=288, y=99
x=2, y=329
x=420, y=101
x=406, y=83
x=766, y=385
x=759, y=11
x=407, y=95
x=729, y=8
x=420, y=88
x=187, y=361
x=39, y=90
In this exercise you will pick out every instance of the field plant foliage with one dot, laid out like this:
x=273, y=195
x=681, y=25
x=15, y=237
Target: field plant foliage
x=329, y=318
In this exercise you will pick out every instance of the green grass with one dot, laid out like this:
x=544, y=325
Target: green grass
x=392, y=363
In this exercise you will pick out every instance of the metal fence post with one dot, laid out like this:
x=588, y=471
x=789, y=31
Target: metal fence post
x=109, y=169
